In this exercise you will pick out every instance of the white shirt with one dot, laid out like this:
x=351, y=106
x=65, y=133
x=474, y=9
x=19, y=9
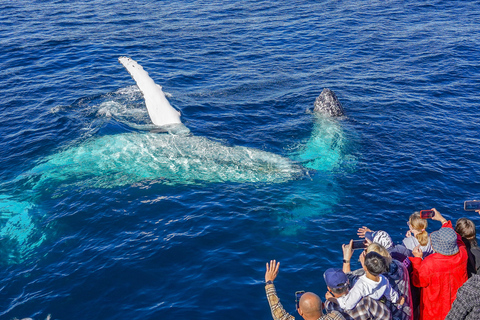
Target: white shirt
x=365, y=287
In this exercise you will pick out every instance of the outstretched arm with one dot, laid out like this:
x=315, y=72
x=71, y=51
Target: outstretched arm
x=447, y=224
x=278, y=312
x=438, y=216
x=361, y=231
x=347, y=256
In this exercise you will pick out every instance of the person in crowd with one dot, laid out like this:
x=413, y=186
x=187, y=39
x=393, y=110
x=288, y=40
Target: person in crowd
x=399, y=278
x=466, y=229
x=417, y=234
x=398, y=252
x=338, y=286
x=396, y=273
x=372, y=284
x=467, y=304
x=441, y=273
x=309, y=307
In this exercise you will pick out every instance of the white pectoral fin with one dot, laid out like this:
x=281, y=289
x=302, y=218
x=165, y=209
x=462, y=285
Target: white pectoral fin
x=159, y=109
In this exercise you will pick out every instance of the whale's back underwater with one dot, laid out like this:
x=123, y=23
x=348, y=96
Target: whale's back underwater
x=116, y=160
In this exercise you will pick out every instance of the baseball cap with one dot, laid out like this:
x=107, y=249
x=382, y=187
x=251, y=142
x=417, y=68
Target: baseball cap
x=335, y=278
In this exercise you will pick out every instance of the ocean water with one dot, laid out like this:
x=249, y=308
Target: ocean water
x=101, y=217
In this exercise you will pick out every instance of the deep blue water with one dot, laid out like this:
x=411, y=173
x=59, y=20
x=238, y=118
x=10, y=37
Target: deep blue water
x=109, y=246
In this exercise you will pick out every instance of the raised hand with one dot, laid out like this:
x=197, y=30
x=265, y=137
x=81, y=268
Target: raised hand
x=438, y=216
x=361, y=231
x=347, y=250
x=272, y=270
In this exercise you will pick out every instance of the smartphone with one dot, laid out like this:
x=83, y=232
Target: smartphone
x=427, y=214
x=359, y=244
x=471, y=205
x=298, y=295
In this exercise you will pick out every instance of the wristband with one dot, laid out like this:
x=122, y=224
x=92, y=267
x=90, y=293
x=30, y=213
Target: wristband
x=269, y=282
x=346, y=261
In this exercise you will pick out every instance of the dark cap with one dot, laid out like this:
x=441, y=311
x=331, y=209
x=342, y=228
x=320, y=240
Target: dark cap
x=335, y=278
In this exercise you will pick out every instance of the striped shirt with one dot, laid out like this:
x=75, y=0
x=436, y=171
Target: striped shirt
x=366, y=309
x=279, y=313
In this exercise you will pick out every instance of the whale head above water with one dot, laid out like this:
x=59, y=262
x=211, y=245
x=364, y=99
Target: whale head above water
x=327, y=103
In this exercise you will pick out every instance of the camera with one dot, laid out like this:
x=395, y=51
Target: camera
x=471, y=205
x=427, y=214
x=298, y=295
x=359, y=244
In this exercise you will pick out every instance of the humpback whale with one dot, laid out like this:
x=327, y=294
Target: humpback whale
x=173, y=157
x=327, y=103
x=179, y=157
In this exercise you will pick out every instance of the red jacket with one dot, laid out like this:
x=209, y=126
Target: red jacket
x=439, y=278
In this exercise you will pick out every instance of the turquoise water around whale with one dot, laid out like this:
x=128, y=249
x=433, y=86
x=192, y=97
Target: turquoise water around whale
x=101, y=217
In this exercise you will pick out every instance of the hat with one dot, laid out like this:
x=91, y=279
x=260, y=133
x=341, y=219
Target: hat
x=444, y=241
x=380, y=237
x=335, y=278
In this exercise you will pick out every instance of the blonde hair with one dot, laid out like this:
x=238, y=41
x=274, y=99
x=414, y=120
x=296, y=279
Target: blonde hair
x=419, y=225
x=378, y=248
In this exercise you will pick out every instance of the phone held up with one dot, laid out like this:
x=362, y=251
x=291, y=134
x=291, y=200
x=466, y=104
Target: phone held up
x=471, y=205
x=298, y=295
x=359, y=244
x=427, y=214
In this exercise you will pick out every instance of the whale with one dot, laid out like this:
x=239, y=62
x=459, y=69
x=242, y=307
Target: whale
x=179, y=157
x=166, y=153
x=328, y=104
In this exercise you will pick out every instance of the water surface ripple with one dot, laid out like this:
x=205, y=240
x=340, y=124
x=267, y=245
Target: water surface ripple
x=109, y=246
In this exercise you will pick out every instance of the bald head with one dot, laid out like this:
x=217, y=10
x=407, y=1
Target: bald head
x=310, y=306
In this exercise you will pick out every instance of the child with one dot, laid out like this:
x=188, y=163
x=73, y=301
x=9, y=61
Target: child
x=372, y=284
x=417, y=234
